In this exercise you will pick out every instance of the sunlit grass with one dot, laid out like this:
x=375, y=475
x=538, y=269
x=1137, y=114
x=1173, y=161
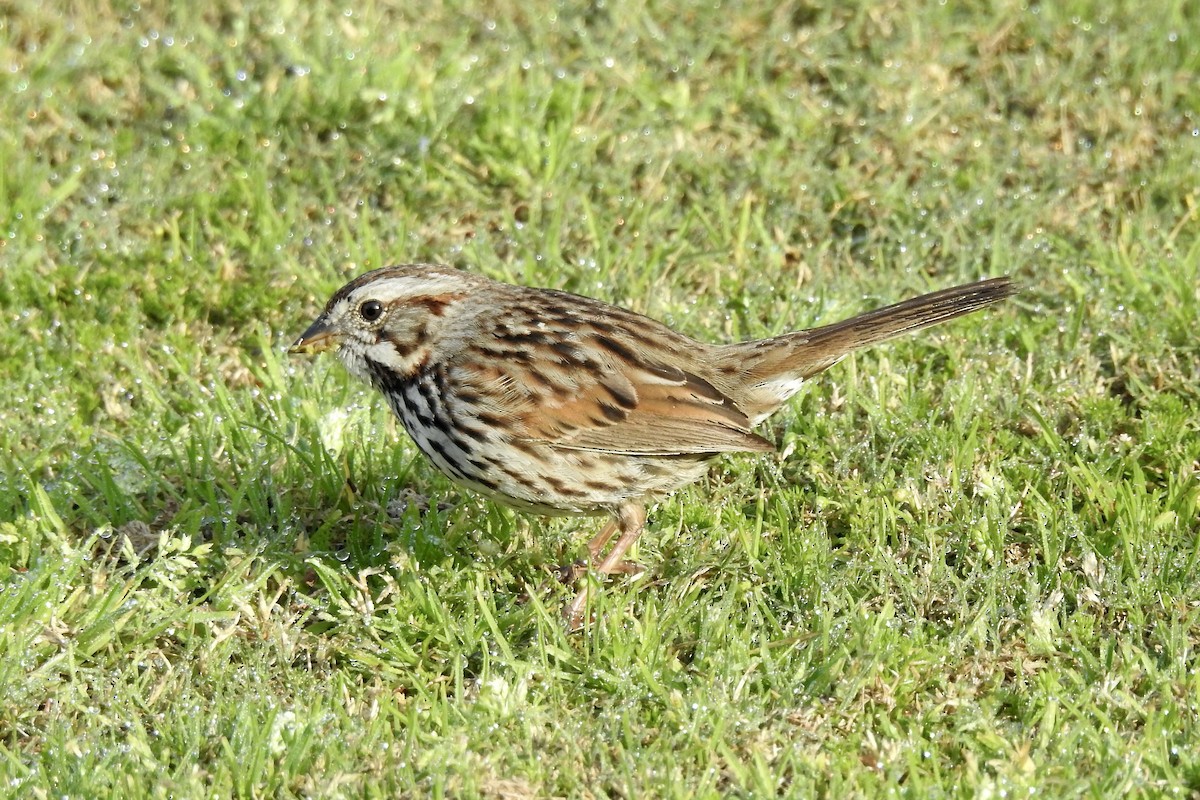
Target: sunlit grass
x=971, y=571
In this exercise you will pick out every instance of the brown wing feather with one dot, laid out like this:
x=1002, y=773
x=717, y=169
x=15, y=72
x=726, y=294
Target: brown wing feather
x=647, y=435
x=645, y=410
x=570, y=372
x=602, y=392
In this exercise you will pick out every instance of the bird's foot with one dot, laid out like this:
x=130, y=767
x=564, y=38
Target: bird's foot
x=569, y=574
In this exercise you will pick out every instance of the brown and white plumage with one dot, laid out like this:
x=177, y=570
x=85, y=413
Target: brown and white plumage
x=561, y=404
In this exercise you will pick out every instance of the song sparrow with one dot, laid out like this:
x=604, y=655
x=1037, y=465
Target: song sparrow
x=560, y=404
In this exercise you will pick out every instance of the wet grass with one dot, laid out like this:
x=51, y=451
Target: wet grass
x=972, y=571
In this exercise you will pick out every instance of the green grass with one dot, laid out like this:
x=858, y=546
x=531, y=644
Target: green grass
x=972, y=572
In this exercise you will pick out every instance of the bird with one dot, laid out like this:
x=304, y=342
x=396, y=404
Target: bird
x=560, y=404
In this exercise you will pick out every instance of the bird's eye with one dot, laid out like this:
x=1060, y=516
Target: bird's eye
x=371, y=310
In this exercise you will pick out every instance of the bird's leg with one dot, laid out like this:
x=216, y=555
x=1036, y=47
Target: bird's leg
x=600, y=539
x=569, y=573
x=630, y=521
x=597, y=544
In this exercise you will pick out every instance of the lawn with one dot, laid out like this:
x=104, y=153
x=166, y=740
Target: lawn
x=971, y=570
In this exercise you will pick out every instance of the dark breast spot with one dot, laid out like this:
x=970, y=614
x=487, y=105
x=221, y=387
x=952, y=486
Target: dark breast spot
x=385, y=379
x=559, y=486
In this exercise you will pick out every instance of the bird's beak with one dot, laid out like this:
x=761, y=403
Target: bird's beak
x=318, y=338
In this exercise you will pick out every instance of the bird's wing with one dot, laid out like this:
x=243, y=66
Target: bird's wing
x=600, y=396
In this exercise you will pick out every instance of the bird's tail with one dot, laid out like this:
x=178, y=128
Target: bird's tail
x=778, y=365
